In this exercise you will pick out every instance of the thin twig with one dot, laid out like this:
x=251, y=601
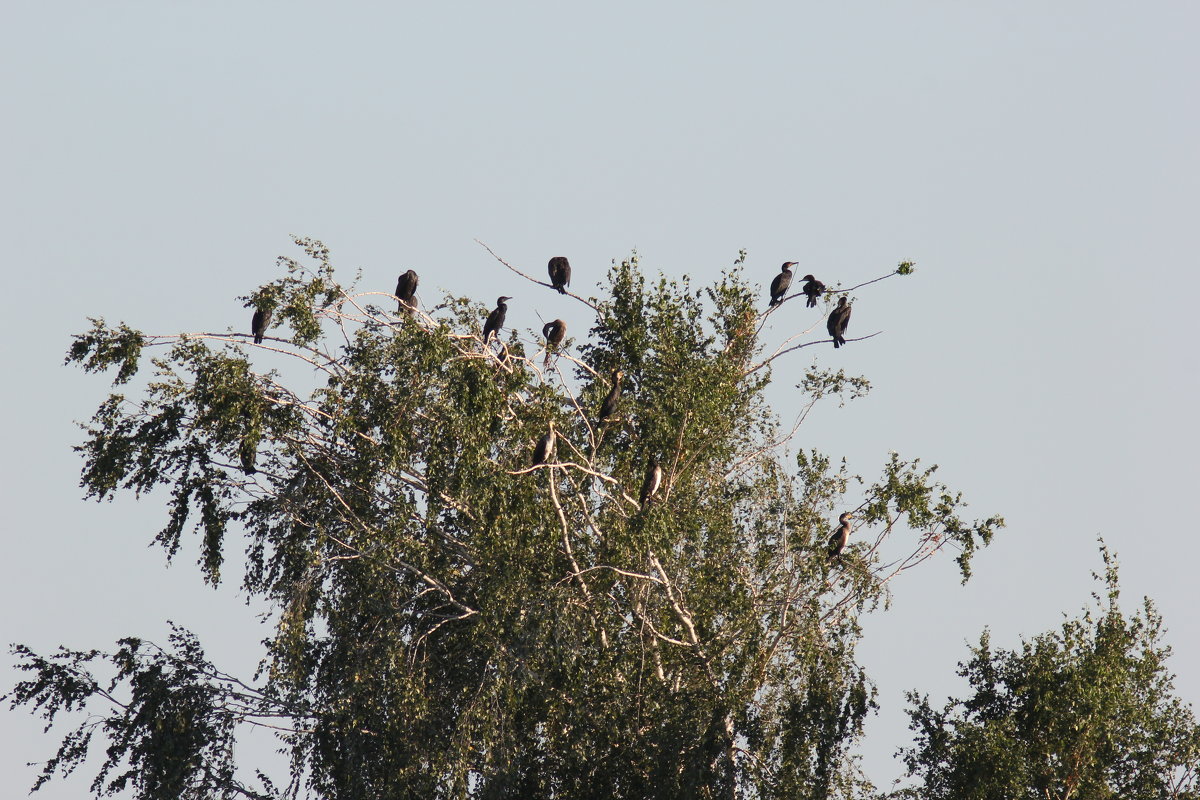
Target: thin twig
x=587, y=303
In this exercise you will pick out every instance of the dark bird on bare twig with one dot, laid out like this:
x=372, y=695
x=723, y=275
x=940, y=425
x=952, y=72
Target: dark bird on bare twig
x=560, y=273
x=651, y=484
x=545, y=446
x=780, y=285
x=813, y=289
x=495, y=320
x=841, y=535
x=260, y=323
x=609, y=406
x=406, y=288
x=554, y=332
x=839, y=318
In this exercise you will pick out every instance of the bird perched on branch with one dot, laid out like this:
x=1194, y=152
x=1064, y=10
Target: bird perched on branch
x=560, y=273
x=839, y=318
x=554, y=332
x=813, y=289
x=609, y=406
x=782, y=282
x=545, y=446
x=406, y=288
x=841, y=535
x=651, y=484
x=495, y=320
x=260, y=323
x=246, y=454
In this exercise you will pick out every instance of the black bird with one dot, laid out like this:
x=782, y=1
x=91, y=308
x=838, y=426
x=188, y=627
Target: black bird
x=609, y=406
x=780, y=285
x=545, y=447
x=813, y=289
x=839, y=318
x=652, y=482
x=260, y=323
x=841, y=535
x=495, y=320
x=406, y=287
x=554, y=332
x=560, y=273
x=246, y=454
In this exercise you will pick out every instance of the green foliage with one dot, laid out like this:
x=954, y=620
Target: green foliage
x=101, y=347
x=452, y=622
x=1087, y=711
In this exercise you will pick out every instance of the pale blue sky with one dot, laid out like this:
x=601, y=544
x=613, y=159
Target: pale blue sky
x=1039, y=162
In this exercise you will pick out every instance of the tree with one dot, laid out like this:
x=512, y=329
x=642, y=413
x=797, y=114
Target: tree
x=452, y=621
x=1087, y=711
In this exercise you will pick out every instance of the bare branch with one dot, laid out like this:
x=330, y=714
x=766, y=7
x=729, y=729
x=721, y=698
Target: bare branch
x=531, y=279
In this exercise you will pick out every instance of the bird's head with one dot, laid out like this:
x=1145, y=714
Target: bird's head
x=787, y=265
x=501, y=300
x=844, y=518
x=808, y=278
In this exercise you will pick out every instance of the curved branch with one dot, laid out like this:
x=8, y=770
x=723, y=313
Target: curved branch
x=531, y=279
x=762, y=364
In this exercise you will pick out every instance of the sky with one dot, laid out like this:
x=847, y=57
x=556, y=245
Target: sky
x=1039, y=163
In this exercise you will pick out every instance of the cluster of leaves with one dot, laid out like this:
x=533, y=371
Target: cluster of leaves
x=454, y=622
x=1086, y=711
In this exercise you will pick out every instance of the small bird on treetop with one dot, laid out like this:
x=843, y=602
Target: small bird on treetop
x=839, y=318
x=780, y=285
x=406, y=288
x=560, y=273
x=495, y=320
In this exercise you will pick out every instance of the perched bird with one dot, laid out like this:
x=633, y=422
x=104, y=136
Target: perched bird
x=839, y=318
x=545, y=447
x=560, y=273
x=495, y=320
x=406, y=287
x=652, y=482
x=609, y=406
x=813, y=289
x=246, y=454
x=841, y=535
x=554, y=332
x=780, y=285
x=260, y=323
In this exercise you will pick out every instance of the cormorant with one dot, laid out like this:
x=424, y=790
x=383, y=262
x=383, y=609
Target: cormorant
x=495, y=320
x=838, y=319
x=246, y=454
x=560, y=273
x=652, y=482
x=813, y=289
x=609, y=407
x=841, y=535
x=260, y=323
x=554, y=332
x=406, y=287
x=545, y=447
x=780, y=285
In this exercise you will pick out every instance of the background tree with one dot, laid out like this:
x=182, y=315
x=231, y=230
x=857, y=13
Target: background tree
x=1088, y=711
x=452, y=621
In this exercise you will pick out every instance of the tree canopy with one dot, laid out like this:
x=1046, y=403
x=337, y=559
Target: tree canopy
x=453, y=620
x=1088, y=711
